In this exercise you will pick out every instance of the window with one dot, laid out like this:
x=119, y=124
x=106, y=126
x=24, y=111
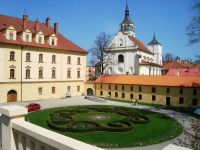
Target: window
x=194, y=101
x=168, y=90
x=78, y=61
x=12, y=73
x=53, y=59
x=69, y=74
x=153, y=98
x=109, y=87
x=40, y=57
x=140, y=88
x=101, y=86
x=122, y=87
x=194, y=91
x=181, y=100
x=123, y=95
x=40, y=91
x=131, y=88
x=11, y=35
x=27, y=38
x=40, y=40
x=68, y=60
x=40, y=74
x=53, y=73
x=116, y=87
x=140, y=96
x=101, y=93
x=12, y=56
x=131, y=96
x=120, y=42
x=181, y=91
x=27, y=74
x=28, y=57
x=153, y=89
x=120, y=58
x=78, y=88
x=68, y=89
x=53, y=90
x=78, y=74
x=116, y=94
x=52, y=42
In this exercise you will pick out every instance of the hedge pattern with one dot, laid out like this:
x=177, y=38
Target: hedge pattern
x=65, y=121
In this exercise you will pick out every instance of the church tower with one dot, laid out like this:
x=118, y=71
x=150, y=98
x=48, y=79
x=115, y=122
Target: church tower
x=127, y=26
x=156, y=48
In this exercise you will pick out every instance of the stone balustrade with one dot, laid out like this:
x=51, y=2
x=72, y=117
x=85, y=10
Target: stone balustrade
x=17, y=134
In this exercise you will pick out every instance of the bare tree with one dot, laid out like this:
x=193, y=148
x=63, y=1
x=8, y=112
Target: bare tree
x=99, y=52
x=197, y=61
x=192, y=136
x=193, y=29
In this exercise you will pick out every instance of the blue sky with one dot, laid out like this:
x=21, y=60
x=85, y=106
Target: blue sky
x=82, y=20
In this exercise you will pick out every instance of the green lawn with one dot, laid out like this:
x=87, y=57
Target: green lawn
x=161, y=128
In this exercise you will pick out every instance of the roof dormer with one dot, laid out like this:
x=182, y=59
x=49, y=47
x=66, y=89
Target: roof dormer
x=26, y=35
x=10, y=33
x=39, y=37
x=52, y=39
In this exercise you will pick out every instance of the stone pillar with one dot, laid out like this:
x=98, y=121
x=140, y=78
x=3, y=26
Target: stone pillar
x=8, y=114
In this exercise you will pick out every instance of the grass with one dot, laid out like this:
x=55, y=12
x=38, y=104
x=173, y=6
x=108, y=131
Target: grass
x=186, y=111
x=161, y=128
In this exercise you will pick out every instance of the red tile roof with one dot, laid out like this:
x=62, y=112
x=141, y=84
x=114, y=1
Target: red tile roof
x=184, y=72
x=184, y=81
x=149, y=63
x=62, y=44
x=140, y=44
x=177, y=65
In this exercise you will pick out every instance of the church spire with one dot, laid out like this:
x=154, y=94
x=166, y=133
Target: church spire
x=154, y=40
x=127, y=26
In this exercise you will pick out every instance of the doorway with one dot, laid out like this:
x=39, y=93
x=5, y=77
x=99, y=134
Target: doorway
x=168, y=101
x=89, y=92
x=12, y=96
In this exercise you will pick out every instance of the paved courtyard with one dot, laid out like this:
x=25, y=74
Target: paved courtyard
x=51, y=103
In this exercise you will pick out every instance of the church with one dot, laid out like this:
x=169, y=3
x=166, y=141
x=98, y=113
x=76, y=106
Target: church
x=129, y=55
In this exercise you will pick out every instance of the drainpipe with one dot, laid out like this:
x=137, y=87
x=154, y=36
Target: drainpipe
x=22, y=48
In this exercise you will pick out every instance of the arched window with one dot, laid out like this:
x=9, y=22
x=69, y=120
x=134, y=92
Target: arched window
x=68, y=74
x=153, y=89
x=27, y=73
x=53, y=58
x=40, y=57
x=40, y=74
x=12, y=73
x=68, y=60
x=28, y=57
x=78, y=61
x=12, y=55
x=120, y=58
x=53, y=73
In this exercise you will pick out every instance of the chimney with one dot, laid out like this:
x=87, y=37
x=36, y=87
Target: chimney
x=56, y=28
x=36, y=25
x=25, y=20
x=48, y=22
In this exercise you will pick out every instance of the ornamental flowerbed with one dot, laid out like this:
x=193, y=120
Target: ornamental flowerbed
x=108, y=126
x=96, y=119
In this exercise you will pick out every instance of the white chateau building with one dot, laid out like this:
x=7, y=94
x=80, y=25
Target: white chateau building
x=130, y=55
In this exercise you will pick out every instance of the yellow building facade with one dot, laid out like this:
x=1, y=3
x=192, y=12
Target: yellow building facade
x=37, y=62
x=164, y=90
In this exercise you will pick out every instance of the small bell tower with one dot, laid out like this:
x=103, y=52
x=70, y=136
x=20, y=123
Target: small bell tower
x=127, y=26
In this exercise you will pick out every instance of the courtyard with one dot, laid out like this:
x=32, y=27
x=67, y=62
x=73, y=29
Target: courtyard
x=52, y=103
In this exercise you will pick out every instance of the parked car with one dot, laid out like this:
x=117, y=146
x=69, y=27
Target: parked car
x=33, y=106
